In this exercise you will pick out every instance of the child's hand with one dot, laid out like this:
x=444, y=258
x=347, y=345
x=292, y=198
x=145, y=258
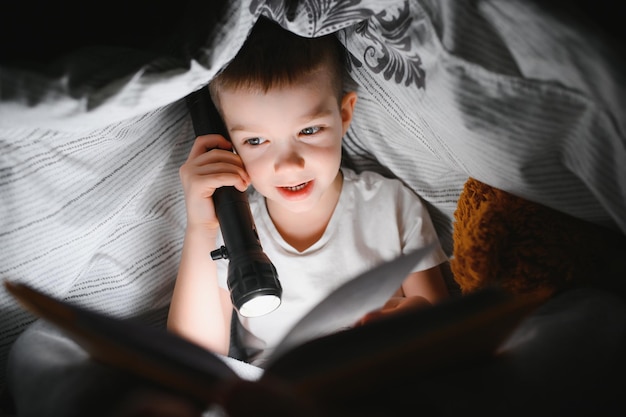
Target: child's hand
x=395, y=305
x=210, y=165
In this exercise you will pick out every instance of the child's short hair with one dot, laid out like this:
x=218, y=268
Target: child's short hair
x=275, y=57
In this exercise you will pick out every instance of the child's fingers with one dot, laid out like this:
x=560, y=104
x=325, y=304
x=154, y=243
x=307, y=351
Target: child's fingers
x=368, y=317
x=221, y=175
x=218, y=161
x=207, y=142
x=217, y=156
x=210, y=155
x=214, y=169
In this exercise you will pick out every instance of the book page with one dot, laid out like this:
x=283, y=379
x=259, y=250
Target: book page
x=351, y=301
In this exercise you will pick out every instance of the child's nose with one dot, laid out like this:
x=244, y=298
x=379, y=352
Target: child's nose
x=288, y=158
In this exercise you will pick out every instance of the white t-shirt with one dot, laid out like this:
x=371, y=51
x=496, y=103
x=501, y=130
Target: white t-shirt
x=376, y=219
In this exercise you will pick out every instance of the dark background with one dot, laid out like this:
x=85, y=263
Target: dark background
x=35, y=32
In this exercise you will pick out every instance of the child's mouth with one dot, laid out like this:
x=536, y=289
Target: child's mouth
x=297, y=187
x=296, y=192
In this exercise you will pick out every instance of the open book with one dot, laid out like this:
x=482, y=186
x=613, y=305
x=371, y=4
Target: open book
x=327, y=366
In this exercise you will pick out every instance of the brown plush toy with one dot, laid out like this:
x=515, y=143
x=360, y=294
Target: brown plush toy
x=504, y=240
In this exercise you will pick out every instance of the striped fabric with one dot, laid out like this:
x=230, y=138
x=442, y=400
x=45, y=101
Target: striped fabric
x=91, y=209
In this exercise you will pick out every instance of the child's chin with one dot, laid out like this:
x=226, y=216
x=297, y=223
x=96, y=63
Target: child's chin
x=301, y=206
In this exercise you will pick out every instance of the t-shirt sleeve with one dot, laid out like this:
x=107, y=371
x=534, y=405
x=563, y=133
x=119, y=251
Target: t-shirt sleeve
x=417, y=229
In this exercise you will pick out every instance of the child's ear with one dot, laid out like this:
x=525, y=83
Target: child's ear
x=347, y=110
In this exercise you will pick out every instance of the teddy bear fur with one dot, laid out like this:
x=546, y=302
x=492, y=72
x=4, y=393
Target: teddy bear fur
x=521, y=246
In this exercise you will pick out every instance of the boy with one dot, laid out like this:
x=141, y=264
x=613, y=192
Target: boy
x=320, y=224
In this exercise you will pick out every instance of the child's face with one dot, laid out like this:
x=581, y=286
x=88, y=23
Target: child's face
x=290, y=139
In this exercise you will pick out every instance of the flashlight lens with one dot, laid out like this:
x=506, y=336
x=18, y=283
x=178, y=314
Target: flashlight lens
x=259, y=305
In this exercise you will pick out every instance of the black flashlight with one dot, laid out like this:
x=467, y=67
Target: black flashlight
x=252, y=278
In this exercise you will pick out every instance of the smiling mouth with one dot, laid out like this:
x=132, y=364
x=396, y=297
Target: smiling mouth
x=297, y=187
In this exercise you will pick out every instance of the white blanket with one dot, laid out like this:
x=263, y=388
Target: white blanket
x=91, y=208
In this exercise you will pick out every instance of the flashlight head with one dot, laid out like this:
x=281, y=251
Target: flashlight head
x=253, y=283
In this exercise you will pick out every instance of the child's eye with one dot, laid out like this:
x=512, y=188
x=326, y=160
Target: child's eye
x=254, y=141
x=310, y=130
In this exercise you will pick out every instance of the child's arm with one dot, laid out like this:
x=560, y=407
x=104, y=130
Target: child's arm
x=200, y=310
x=428, y=284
